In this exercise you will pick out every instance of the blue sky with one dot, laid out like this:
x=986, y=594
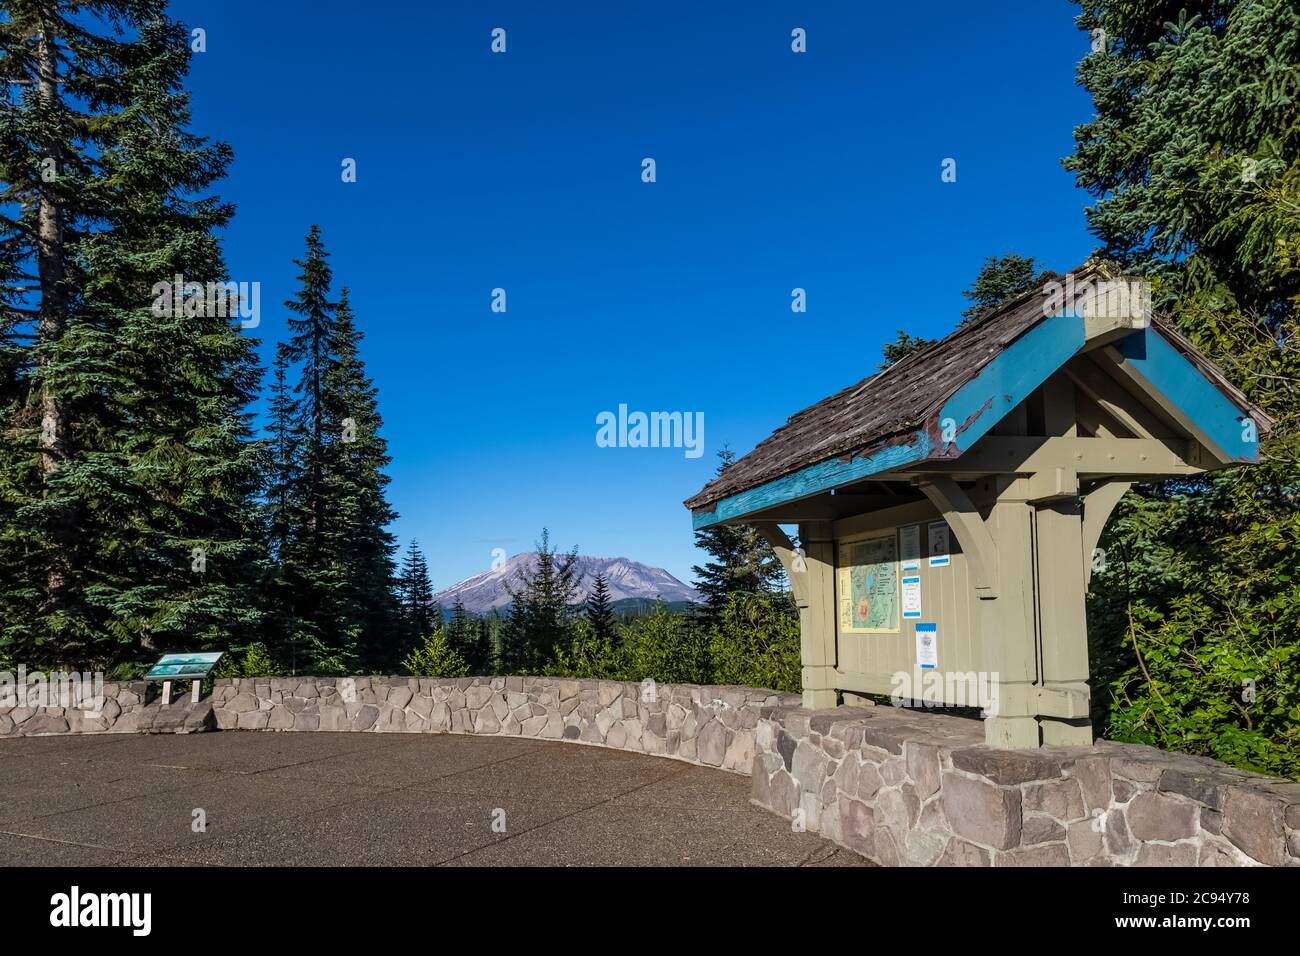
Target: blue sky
x=522, y=171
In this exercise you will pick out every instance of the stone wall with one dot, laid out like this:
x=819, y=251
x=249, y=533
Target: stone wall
x=713, y=726
x=119, y=711
x=898, y=786
x=909, y=788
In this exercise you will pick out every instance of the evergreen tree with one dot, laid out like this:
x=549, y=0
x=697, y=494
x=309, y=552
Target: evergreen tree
x=1000, y=279
x=541, y=611
x=743, y=562
x=415, y=595
x=312, y=325
x=902, y=347
x=127, y=467
x=285, y=437
x=462, y=632
x=600, y=610
x=340, y=558
x=435, y=657
x=284, y=517
x=485, y=655
x=357, y=541
x=1193, y=157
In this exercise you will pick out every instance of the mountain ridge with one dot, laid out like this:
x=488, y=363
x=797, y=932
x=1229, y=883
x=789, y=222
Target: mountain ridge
x=486, y=592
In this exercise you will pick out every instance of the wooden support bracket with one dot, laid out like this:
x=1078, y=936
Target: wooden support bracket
x=968, y=525
x=1097, y=506
x=792, y=559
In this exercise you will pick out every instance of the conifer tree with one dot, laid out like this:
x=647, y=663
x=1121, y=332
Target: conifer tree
x=312, y=325
x=1000, y=278
x=415, y=594
x=600, y=610
x=285, y=470
x=541, y=611
x=357, y=541
x=743, y=562
x=485, y=657
x=340, y=558
x=127, y=468
x=462, y=631
x=285, y=518
x=1193, y=159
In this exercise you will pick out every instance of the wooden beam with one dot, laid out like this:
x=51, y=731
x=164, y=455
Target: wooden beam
x=1096, y=420
x=1000, y=454
x=968, y=525
x=1147, y=363
x=1115, y=401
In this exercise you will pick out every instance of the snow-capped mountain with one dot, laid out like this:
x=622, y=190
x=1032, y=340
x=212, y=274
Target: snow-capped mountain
x=626, y=579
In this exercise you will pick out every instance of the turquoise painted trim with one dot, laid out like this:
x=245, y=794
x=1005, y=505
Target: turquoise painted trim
x=1153, y=357
x=1008, y=380
x=990, y=396
x=1001, y=385
x=809, y=481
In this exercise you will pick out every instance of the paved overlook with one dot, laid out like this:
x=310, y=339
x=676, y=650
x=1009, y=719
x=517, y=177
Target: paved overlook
x=364, y=799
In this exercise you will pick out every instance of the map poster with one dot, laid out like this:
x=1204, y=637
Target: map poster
x=868, y=585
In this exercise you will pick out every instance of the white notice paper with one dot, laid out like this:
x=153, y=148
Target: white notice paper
x=927, y=645
x=909, y=547
x=912, y=596
x=939, y=544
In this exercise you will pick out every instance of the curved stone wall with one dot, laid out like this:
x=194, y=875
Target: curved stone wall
x=711, y=726
x=119, y=710
x=898, y=786
x=904, y=787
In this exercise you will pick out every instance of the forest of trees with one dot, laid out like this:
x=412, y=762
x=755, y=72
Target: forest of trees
x=1194, y=622
x=747, y=632
x=143, y=509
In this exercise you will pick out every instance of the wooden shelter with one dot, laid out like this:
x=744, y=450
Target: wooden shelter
x=949, y=508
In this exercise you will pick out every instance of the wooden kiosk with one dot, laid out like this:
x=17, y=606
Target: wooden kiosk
x=949, y=508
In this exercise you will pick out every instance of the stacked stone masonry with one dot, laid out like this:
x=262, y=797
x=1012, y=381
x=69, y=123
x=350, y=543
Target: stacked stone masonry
x=121, y=709
x=712, y=726
x=900, y=787
x=916, y=789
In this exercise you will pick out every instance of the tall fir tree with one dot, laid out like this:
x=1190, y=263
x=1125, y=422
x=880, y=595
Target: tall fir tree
x=486, y=656
x=743, y=562
x=357, y=540
x=415, y=594
x=128, y=473
x=1193, y=159
x=600, y=610
x=311, y=607
x=340, y=558
x=462, y=632
x=284, y=516
x=1000, y=279
x=312, y=325
x=541, y=610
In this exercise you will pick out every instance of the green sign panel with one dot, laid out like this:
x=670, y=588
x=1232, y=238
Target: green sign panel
x=183, y=666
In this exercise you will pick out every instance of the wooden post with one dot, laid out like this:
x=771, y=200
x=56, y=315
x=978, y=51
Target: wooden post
x=817, y=615
x=1062, y=585
x=1007, y=621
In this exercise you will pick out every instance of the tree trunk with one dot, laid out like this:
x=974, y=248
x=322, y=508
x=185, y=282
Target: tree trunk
x=51, y=323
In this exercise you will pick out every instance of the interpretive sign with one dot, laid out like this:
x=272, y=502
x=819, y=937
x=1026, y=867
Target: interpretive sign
x=183, y=666
x=868, y=584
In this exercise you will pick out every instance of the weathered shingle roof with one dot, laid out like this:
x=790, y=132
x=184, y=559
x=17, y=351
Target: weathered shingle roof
x=891, y=405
